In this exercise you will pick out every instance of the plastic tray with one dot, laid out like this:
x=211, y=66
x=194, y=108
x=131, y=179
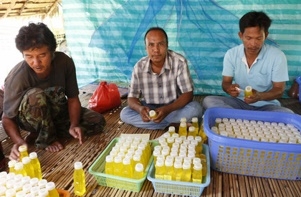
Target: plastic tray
x=180, y=187
x=255, y=158
x=97, y=170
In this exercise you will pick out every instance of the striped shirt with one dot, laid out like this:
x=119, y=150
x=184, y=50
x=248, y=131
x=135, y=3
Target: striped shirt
x=164, y=88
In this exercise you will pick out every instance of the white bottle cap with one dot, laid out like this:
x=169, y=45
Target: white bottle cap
x=33, y=155
x=22, y=148
x=26, y=160
x=139, y=167
x=50, y=186
x=18, y=166
x=78, y=165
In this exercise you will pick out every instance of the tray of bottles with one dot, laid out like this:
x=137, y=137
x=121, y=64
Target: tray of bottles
x=97, y=169
x=178, y=187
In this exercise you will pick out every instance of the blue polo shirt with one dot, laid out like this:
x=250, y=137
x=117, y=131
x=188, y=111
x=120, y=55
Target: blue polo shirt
x=270, y=66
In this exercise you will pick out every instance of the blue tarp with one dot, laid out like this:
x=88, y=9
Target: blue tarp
x=105, y=38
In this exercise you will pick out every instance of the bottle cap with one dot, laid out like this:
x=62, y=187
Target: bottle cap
x=22, y=148
x=12, y=163
x=78, y=165
x=152, y=113
x=139, y=167
x=33, y=155
x=50, y=186
x=26, y=160
x=194, y=119
x=18, y=166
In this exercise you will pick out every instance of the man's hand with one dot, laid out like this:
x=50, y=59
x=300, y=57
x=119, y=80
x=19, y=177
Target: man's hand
x=162, y=112
x=253, y=98
x=233, y=90
x=144, y=113
x=14, y=152
x=77, y=133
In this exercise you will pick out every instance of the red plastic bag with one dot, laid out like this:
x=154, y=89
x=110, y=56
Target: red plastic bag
x=105, y=97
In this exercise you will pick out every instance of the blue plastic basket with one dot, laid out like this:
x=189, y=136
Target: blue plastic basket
x=180, y=187
x=255, y=158
x=298, y=80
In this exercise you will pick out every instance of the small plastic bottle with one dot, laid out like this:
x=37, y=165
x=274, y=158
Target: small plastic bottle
x=109, y=164
x=195, y=123
x=127, y=170
x=177, y=175
x=23, y=151
x=79, y=179
x=52, y=191
x=183, y=129
x=28, y=167
x=19, y=169
x=171, y=130
x=248, y=91
x=186, y=175
x=139, y=171
x=159, y=169
x=168, y=169
x=11, y=166
x=152, y=114
x=192, y=131
x=197, y=173
x=36, y=165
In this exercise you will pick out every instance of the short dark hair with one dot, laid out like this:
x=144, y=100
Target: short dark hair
x=35, y=36
x=157, y=28
x=255, y=19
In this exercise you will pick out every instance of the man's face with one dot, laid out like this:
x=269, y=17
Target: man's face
x=156, y=46
x=253, y=38
x=39, y=59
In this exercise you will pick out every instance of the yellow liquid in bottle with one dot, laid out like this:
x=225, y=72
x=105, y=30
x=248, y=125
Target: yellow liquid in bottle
x=109, y=164
x=197, y=173
x=195, y=123
x=28, y=167
x=36, y=165
x=186, y=175
x=50, y=186
x=183, y=129
x=192, y=131
x=139, y=171
x=159, y=169
x=127, y=170
x=23, y=151
x=177, y=175
x=168, y=169
x=79, y=179
x=248, y=91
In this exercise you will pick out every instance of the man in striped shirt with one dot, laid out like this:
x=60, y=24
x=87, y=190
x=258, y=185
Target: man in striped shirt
x=161, y=82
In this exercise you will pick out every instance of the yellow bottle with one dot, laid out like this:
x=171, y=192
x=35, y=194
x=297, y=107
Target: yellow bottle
x=117, y=166
x=23, y=151
x=152, y=114
x=79, y=179
x=52, y=191
x=248, y=91
x=168, y=169
x=28, y=167
x=177, y=175
x=11, y=166
x=109, y=164
x=186, y=175
x=159, y=169
x=197, y=173
x=139, y=171
x=127, y=170
x=202, y=133
x=192, y=131
x=195, y=123
x=36, y=165
x=183, y=129
x=19, y=169
x=171, y=130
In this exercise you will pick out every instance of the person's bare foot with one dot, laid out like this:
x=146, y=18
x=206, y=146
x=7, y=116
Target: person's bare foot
x=54, y=147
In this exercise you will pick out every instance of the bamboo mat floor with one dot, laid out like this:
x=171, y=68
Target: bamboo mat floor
x=58, y=167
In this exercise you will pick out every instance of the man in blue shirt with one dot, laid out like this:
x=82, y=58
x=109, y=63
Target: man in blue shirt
x=255, y=64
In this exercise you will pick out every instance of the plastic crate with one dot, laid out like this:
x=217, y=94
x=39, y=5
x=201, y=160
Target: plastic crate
x=180, y=187
x=298, y=80
x=97, y=170
x=254, y=158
